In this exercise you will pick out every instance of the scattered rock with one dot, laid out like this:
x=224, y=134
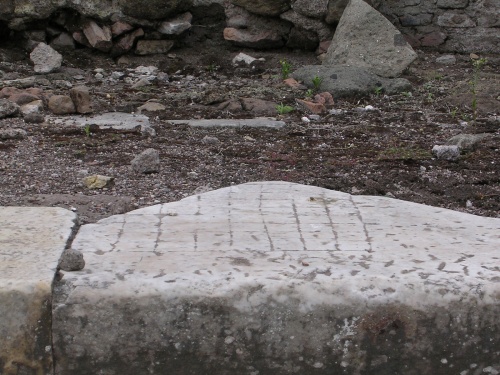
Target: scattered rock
x=34, y=118
x=12, y=133
x=316, y=108
x=33, y=107
x=324, y=98
x=466, y=142
x=23, y=97
x=291, y=82
x=71, y=260
x=61, y=105
x=244, y=58
x=208, y=140
x=377, y=46
x=446, y=60
x=151, y=107
x=450, y=153
x=8, y=108
x=98, y=181
x=147, y=162
x=81, y=98
x=258, y=107
x=152, y=47
x=45, y=58
x=141, y=83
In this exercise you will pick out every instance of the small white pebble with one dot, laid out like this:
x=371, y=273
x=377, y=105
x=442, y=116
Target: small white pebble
x=306, y=120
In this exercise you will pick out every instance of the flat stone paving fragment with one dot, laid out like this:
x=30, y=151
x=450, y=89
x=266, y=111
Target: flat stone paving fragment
x=31, y=242
x=233, y=123
x=281, y=278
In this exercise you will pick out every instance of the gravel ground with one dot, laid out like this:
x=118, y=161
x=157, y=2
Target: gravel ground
x=386, y=151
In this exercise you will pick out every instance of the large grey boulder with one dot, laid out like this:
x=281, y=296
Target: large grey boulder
x=349, y=81
x=365, y=38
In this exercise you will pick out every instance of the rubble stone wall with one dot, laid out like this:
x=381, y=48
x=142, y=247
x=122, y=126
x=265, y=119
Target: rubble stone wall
x=449, y=25
x=446, y=25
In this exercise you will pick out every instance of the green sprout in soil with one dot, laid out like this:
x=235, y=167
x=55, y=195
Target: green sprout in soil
x=309, y=93
x=86, y=129
x=378, y=90
x=286, y=67
x=316, y=81
x=405, y=153
x=284, y=109
x=477, y=65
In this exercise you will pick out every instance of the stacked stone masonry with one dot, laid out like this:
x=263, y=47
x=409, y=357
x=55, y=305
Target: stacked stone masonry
x=117, y=27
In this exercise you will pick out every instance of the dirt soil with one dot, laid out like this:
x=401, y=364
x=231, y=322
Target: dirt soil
x=384, y=152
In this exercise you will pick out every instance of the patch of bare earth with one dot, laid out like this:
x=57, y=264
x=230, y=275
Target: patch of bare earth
x=385, y=152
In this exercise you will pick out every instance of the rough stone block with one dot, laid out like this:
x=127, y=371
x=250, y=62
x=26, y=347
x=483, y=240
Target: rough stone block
x=45, y=58
x=453, y=19
x=32, y=240
x=98, y=37
x=280, y=278
x=153, y=47
x=365, y=38
x=418, y=20
x=81, y=98
x=453, y=4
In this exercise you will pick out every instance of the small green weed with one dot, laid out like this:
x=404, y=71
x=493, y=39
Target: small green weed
x=454, y=112
x=405, y=153
x=316, y=81
x=286, y=67
x=309, y=93
x=378, y=90
x=86, y=129
x=477, y=66
x=284, y=109
x=438, y=76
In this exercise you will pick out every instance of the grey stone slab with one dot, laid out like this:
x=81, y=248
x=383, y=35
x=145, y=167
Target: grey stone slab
x=233, y=123
x=110, y=120
x=31, y=242
x=280, y=278
x=349, y=81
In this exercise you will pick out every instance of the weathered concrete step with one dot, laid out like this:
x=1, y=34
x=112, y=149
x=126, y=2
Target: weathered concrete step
x=280, y=278
x=31, y=242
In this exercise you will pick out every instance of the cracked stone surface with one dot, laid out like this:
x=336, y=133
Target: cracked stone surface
x=31, y=242
x=282, y=278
